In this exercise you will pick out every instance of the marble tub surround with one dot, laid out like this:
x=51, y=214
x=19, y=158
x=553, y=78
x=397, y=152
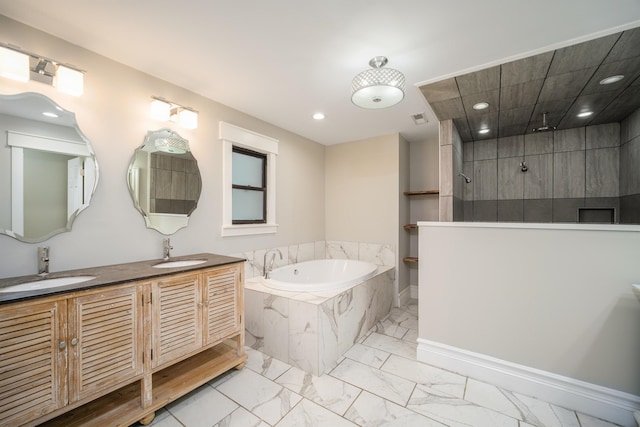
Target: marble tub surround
x=277, y=394
x=375, y=253
x=313, y=330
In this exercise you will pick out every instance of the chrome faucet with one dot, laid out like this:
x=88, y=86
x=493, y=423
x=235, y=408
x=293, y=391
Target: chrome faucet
x=266, y=270
x=43, y=260
x=166, y=249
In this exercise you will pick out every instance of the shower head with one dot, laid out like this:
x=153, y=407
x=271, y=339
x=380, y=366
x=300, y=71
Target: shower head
x=545, y=127
x=466, y=178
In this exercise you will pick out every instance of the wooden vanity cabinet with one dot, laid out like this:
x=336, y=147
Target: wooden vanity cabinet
x=59, y=351
x=131, y=360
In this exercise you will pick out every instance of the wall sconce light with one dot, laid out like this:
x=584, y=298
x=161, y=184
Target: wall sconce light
x=164, y=110
x=23, y=66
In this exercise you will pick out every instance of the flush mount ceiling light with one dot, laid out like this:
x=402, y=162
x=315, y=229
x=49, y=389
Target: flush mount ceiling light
x=480, y=105
x=22, y=66
x=162, y=110
x=483, y=131
x=377, y=87
x=584, y=114
x=318, y=116
x=611, y=79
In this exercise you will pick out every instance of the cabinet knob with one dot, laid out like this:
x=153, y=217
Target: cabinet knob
x=74, y=341
x=62, y=345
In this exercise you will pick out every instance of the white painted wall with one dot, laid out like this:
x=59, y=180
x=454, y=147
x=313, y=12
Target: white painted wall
x=113, y=113
x=551, y=297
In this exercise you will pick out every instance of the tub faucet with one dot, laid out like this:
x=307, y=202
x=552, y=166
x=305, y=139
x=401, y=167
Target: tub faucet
x=166, y=249
x=43, y=260
x=266, y=270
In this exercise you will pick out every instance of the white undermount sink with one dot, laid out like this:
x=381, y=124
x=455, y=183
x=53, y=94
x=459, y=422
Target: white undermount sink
x=37, y=285
x=183, y=263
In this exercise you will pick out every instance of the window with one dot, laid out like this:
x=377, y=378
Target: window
x=249, y=187
x=248, y=182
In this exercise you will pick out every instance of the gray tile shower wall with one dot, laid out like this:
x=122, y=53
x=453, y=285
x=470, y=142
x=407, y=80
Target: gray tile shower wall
x=588, y=174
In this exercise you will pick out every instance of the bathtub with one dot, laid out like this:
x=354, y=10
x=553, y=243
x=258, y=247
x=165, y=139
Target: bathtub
x=311, y=323
x=320, y=275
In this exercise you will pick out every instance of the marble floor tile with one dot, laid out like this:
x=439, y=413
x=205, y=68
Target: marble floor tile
x=164, y=419
x=403, y=318
x=372, y=411
x=430, y=377
x=589, y=421
x=385, y=385
x=392, y=345
x=266, y=399
x=241, y=418
x=265, y=365
x=202, y=407
x=327, y=391
x=455, y=412
x=527, y=409
x=411, y=336
x=387, y=327
x=309, y=414
x=367, y=355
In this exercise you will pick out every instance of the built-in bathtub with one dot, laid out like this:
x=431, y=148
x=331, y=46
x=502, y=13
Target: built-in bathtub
x=312, y=329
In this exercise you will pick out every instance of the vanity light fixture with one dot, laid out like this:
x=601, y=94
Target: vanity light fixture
x=611, y=79
x=23, y=66
x=377, y=87
x=481, y=106
x=584, y=114
x=164, y=110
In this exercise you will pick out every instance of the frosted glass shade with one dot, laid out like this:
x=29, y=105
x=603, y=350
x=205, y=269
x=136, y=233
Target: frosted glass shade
x=160, y=110
x=14, y=65
x=188, y=119
x=69, y=81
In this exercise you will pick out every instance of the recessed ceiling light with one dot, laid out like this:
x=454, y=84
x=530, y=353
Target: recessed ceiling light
x=480, y=105
x=611, y=79
x=483, y=131
x=585, y=114
x=49, y=114
x=318, y=116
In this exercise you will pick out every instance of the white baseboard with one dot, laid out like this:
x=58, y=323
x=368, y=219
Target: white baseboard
x=601, y=402
x=404, y=296
x=413, y=291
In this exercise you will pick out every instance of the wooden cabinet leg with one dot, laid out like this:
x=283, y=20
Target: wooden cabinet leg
x=240, y=366
x=148, y=419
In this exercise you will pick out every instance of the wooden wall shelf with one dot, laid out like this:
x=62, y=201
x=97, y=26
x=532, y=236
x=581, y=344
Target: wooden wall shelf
x=421, y=192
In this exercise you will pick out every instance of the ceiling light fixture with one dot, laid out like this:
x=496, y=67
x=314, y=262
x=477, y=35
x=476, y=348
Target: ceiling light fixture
x=611, y=79
x=163, y=110
x=318, y=116
x=481, y=106
x=483, y=131
x=545, y=127
x=377, y=87
x=584, y=114
x=23, y=66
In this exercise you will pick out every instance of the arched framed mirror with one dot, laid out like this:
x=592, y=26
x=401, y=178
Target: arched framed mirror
x=48, y=170
x=164, y=181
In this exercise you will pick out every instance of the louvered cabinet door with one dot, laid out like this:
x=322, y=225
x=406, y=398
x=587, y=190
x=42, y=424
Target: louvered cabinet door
x=223, y=289
x=32, y=361
x=105, y=340
x=176, y=325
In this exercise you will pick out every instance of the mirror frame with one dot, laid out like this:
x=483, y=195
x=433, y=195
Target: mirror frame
x=21, y=140
x=164, y=223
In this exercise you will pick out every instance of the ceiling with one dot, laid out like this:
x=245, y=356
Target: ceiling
x=561, y=83
x=284, y=60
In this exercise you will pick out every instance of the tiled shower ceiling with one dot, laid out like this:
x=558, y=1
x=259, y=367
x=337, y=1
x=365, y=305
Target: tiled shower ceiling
x=561, y=83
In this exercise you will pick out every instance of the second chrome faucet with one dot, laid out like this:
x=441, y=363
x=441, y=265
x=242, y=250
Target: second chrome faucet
x=267, y=269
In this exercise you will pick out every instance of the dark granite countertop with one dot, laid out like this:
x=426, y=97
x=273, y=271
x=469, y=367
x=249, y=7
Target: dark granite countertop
x=109, y=275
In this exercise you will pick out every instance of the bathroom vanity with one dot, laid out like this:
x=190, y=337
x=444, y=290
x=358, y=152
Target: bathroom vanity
x=114, y=349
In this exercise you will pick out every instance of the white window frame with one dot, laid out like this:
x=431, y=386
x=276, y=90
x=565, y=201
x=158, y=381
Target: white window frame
x=231, y=136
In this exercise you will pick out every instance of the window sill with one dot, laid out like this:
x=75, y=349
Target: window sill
x=248, y=229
